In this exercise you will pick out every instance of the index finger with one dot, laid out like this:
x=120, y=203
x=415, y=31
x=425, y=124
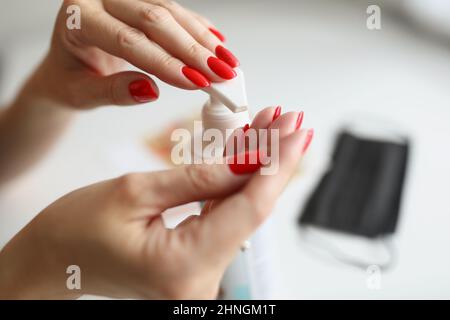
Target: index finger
x=233, y=221
x=117, y=38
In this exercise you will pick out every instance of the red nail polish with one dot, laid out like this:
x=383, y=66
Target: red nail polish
x=246, y=127
x=220, y=68
x=308, y=139
x=219, y=35
x=143, y=91
x=226, y=56
x=277, y=113
x=196, y=77
x=299, y=121
x=245, y=163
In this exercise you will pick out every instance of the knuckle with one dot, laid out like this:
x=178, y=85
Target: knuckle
x=199, y=176
x=208, y=35
x=195, y=50
x=155, y=14
x=130, y=187
x=111, y=93
x=167, y=62
x=128, y=37
x=73, y=38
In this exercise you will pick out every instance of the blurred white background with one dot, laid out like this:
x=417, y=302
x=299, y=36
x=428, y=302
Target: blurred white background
x=317, y=56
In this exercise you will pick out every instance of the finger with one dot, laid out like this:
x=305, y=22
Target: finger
x=209, y=37
x=117, y=38
x=233, y=221
x=265, y=117
x=124, y=89
x=204, y=21
x=214, y=30
x=208, y=24
x=160, y=26
x=262, y=120
x=192, y=183
x=287, y=123
x=265, y=189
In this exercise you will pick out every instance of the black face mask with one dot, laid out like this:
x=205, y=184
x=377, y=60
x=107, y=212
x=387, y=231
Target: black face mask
x=361, y=192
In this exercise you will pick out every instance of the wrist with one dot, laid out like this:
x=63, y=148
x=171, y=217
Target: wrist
x=38, y=99
x=45, y=88
x=30, y=271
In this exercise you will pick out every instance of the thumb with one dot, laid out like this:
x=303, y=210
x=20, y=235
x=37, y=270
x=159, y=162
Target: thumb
x=200, y=182
x=123, y=89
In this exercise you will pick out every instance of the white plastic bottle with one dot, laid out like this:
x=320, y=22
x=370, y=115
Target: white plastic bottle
x=226, y=109
x=247, y=277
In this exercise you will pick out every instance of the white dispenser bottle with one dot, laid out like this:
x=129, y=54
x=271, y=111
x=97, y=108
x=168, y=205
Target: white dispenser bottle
x=247, y=276
x=227, y=108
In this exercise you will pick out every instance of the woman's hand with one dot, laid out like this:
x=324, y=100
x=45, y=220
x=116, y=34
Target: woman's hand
x=160, y=37
x=114, y=232
x=84, y=68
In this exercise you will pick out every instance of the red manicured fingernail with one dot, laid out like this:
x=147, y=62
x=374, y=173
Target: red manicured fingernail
x=217, y=34
x=308, y=139
x=277, y=113
x=299, y=121
x=226, y=56
x=245, y=163
x=143, y=91
x=220, y=68
x=196, y=77
x=246, y=127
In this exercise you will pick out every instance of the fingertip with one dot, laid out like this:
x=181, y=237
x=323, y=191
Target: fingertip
x=308, y=139
x=227, y=56
x=143, y=90
x=195, y=77
x=297, y=143
x=263, y=119
x=287, y=122
x=218, y=34
x=121, y=89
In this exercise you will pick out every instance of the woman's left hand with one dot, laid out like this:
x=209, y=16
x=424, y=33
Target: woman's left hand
x=93, y=39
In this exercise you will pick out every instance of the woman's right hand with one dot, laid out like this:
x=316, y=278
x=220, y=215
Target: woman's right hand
x=84, y=66
x=113, y=230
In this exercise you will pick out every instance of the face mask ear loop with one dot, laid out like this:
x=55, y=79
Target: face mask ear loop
x=325, y=249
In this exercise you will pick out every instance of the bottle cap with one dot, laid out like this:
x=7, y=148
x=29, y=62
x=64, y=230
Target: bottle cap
x=231, y=93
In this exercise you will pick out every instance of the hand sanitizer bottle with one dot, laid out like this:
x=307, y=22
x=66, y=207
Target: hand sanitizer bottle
x=226, y=110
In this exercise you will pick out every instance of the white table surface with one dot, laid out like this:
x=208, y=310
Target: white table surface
x=315, y=56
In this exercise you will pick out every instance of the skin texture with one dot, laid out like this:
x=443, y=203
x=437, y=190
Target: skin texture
x=113, y=229
x=84, y=69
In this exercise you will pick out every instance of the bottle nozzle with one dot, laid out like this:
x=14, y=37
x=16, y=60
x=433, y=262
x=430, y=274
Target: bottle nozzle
x=231, y=93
